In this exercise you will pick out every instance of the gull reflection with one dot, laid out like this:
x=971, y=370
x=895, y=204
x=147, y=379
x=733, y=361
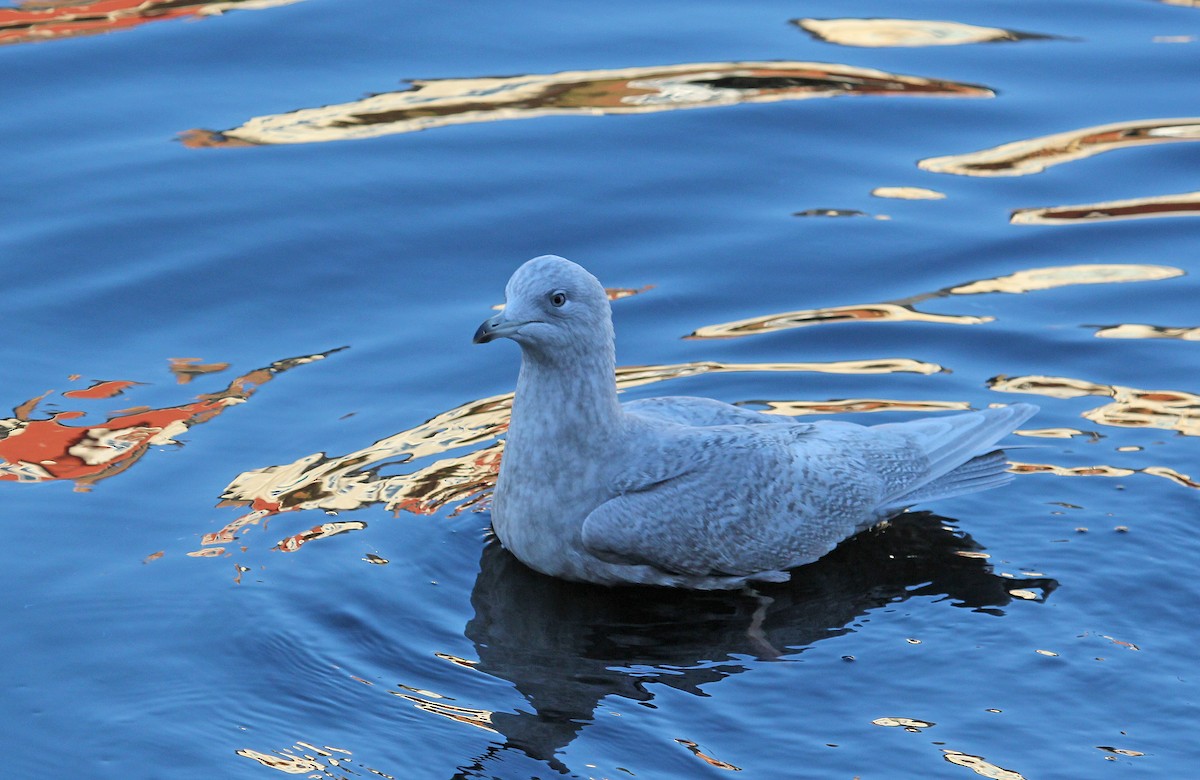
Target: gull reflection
x=1186, y=204
x=903, y=310
x=878, y=33
x=566, y=647
x=431, y=103
x=1034, y=155
x=45, y=20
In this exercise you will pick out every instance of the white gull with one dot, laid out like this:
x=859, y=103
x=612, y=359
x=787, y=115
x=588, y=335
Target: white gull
x=693, y=492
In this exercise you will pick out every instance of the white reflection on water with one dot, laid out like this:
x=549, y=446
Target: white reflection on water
x=1131, y=407
x=1034, y=155
x=1185, y=204
x=903, y=310
x=434, y=103
x=881, y=33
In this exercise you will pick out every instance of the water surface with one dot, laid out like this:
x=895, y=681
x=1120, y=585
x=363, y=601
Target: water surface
x=250, y=445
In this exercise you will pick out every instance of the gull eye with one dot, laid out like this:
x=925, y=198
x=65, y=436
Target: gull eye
x=558, y=298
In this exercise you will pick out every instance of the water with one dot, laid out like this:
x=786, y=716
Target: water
x=344, y=615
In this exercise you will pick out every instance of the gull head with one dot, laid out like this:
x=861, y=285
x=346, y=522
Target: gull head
x=552, y=305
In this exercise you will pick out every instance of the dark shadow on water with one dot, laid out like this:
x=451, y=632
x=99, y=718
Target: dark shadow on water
x=566, y=647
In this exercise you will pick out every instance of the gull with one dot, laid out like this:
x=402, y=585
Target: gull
x=693, y=492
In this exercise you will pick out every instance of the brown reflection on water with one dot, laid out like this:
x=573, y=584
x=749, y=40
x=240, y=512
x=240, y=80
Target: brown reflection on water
x=1101, y=470
x=1131, y=407
x=472, y=717
x=1034, y=155
x=354, y=480
x=48, y=449
x=187, y=369
x=45, y=20
x=442, y=102
x=879, y=33
x=862, y=312
x=1134, y=331
x=903, y=310
x=1185, y=204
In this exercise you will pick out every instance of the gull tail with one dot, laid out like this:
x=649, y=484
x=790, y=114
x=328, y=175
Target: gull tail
x=962, y=453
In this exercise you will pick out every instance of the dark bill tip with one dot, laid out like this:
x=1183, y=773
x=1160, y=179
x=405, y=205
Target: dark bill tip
x=484, y=333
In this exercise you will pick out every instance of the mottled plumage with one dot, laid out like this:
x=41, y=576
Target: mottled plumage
x=693, y=492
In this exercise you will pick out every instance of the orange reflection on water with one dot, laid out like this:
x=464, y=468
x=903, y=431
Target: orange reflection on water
x=1034, y=155
x=903, y=310
x=441, y=102
x=1186, y=204
x=700, y=754
x=48, y=449
x=44, y=20
x=1172, y=410
x=879, y=33
x=322, y=531
x=101, y=390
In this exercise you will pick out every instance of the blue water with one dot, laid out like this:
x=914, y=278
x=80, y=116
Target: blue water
x=1062, y=644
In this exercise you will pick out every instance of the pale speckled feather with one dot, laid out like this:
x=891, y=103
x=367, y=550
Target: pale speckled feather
x=692, y=492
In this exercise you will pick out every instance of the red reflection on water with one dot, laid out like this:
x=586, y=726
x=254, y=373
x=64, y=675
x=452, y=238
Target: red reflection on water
x=51, y=449
x=44, y=20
